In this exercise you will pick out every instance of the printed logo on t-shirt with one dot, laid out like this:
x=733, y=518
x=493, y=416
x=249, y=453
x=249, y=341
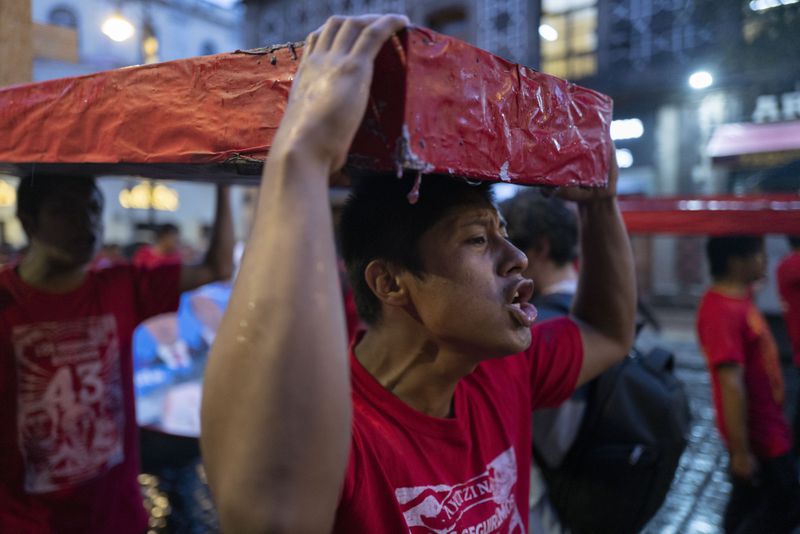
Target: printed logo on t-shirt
x=480, y=505
x=70, y=418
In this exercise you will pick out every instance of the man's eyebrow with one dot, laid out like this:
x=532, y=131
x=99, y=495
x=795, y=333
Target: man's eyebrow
x=483, y=220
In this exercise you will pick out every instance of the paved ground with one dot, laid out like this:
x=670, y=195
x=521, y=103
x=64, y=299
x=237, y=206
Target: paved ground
x=699, y=492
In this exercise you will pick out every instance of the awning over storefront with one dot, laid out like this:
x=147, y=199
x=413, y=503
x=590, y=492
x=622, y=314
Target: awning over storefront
x=751, y=142
x=437, y=105
x=719, y=215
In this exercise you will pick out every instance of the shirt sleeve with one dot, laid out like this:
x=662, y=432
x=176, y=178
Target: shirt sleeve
x=722, y=335
x=555, y=358
x=157, y=289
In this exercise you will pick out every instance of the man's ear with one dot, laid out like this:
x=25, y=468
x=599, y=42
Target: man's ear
x=384, y=281
x=540, y=250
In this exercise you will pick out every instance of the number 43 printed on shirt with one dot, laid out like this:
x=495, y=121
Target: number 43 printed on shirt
x=70, y=415
x=61, y=390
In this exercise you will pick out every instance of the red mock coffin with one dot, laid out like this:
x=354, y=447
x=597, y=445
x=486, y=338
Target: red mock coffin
x=438, y=105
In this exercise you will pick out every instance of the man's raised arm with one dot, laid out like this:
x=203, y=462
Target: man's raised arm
x=276, y=407
x=218, y=261
x=605, y=303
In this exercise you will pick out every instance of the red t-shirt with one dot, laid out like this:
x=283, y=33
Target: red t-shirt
x=148, y=257
x=69, y=456
x=412, y=473
x=789, y=288
x=732, y=330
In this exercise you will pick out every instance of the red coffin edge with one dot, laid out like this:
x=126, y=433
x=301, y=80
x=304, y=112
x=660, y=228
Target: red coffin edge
x=437, y=105
x=715, y=216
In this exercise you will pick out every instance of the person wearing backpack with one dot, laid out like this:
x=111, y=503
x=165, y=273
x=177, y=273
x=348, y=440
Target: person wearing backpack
x=748, y=391
x=605, y=458
x=547, y=231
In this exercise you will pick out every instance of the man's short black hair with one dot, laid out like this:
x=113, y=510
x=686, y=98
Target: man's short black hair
x=721, y=249
x=530, y=216
x=379, y=222
x=35, y=188
x=165, y=229
x=794, y=241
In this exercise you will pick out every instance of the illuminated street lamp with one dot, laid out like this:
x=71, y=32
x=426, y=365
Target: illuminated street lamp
x=117, y=27
x=149, y=196
x=624, y=158
x=548, y=33
x=8, y=195
x=626, y=129
x=700, y=80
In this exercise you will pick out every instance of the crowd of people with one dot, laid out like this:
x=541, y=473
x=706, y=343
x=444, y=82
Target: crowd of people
x=410, y=398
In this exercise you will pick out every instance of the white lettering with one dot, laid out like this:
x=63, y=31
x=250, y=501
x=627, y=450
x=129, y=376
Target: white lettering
x=790, y=102
x=91, y=384
x=767, y=109
x=59, y=391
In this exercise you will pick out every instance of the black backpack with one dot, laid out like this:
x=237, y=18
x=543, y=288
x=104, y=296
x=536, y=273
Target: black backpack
x=619, y=469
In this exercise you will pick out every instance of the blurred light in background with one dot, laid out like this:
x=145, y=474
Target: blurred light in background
x=145, y=195
x=626, y=129
x=8, y=195
x=117, y=28
x=624, y=158
x=548, y=33
x=700, y=80
x=504, y=191
x=761, y=5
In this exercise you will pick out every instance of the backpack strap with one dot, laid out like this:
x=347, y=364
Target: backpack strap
x=553, y=305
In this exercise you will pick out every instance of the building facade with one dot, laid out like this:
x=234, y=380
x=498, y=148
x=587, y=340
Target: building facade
x=741, y=56
x=70, y=40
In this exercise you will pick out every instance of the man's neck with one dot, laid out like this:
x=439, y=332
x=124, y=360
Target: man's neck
x=413, y=367
x=46, y=275
x=731, y=287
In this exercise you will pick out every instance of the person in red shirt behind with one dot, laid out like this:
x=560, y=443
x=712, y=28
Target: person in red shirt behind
x=69, y=456
x=163, y=251
x=424, y=425
x=748, y=391
x=788, y=275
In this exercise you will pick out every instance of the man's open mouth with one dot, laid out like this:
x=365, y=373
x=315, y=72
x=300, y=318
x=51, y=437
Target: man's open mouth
x=521, y=310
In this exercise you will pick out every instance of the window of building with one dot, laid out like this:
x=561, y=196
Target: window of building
x=453, y=21
x=568, y=34
x=208, y=48
x=150, y=45
x=63, y=16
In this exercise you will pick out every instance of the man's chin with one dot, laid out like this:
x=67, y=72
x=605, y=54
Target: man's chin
x=518, y=342
x=74, y=261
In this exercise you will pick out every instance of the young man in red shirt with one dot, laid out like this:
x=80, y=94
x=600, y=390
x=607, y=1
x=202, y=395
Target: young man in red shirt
x=748, y=391
x=164, y=250
x=425, y=425
x=789, y=288
x=69, y=457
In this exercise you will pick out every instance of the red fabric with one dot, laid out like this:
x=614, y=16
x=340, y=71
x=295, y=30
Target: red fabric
x=712, y=215
x=437, y=104
x=733, y=330
x=351, y=317
x=148, y=257
x=412, y=473
x=69, y=453
x=789, y=289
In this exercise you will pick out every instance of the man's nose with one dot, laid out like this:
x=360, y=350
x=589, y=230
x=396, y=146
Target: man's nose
x=514, y=260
